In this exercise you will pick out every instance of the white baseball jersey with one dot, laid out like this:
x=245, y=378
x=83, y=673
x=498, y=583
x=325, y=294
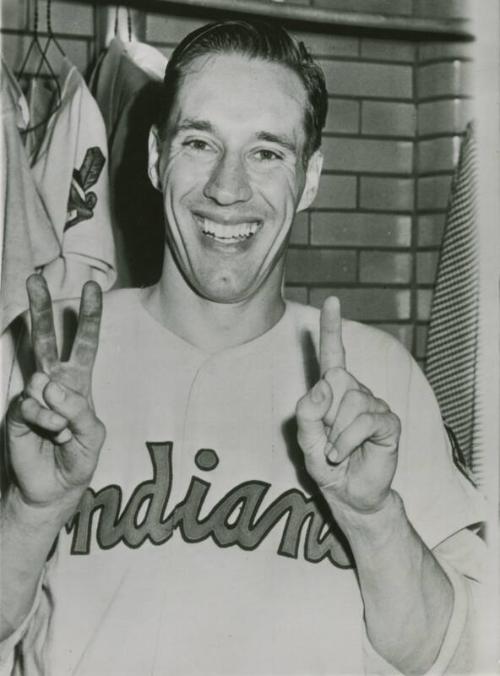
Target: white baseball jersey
x=29, y=241
x=202, y=546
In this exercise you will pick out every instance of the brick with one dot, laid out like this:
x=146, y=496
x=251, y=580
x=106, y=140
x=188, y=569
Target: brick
x=322, y=44
x=432, y=51
x=14, y=14
x=440, y=154
x=430, y=229
x=296, y=293
x=436, y=117
x=426, y=266
x=336, y=192
x=402, y=332
x=300, y=229
x=373, y=304
x=433, y=192
x=442, y=9
x=388, y=118
x=359, y=229
x=424, y=303
x=387, y=267
x=400, y=7
x=320, y=265
x=367, y=155
x=421, y=341
x=368, y=80
x=451, y=78
x=342, y=116
x=170, y=29
x=70, y=17
x=387, y=50
x=387, y=194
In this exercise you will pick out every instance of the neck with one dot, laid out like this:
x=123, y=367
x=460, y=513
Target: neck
x=209, y=325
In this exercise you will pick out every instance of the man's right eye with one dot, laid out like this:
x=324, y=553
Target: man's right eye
x=196, y=144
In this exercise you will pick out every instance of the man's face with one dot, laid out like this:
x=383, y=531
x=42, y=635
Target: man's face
x=232, y=173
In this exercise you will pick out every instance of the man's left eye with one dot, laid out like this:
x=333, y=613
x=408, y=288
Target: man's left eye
x=267, y=155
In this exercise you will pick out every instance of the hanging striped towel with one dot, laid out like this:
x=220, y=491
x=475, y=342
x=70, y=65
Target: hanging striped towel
x=453, y=339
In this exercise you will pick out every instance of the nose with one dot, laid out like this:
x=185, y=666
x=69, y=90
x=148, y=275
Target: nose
x=228, y=182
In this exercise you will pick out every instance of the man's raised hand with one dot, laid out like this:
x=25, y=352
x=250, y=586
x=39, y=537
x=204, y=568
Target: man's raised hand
x=54, y=435
x=348, y=436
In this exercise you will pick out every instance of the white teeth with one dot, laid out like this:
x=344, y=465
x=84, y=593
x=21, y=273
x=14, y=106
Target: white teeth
x=229, y=232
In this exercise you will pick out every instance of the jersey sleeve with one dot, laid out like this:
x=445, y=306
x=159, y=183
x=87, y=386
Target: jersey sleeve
x=439, y=498
x=27, y=643
x=462, y=558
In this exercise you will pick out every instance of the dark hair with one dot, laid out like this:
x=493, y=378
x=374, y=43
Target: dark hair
x=259, y=40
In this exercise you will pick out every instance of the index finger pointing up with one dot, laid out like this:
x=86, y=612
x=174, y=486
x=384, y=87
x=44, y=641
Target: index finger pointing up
x=331, y=347
x=43, y=334
x=86, y=340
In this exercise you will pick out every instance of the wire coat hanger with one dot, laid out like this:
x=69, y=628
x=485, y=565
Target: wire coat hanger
x=129, y=23
x=44, y=61
x=51, y=36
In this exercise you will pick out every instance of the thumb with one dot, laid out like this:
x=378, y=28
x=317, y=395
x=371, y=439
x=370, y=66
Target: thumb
x=311, y=410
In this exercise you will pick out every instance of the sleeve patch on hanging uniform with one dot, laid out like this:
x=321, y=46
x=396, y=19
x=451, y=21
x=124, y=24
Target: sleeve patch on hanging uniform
x=81, y=201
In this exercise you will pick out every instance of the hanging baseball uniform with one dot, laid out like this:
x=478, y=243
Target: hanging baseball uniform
x=126, y=84
x=43, y=99
x=29, y=241
x=69, y=168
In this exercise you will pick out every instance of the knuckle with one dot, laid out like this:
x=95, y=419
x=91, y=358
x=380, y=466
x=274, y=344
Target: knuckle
x=395, y=421
x=334, y=374
x=382, y=404
x=356, y=398
x=305, y=408
x=300, y=406
x=366, y=418
x=27, y=407
x=36, y=383
x=81, y=406
x=99, y=431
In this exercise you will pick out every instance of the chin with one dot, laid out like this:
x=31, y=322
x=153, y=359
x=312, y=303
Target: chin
x=224, y=293
x=224, y=296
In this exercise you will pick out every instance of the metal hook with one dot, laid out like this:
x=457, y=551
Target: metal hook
x=129, y=24
x=52, y=37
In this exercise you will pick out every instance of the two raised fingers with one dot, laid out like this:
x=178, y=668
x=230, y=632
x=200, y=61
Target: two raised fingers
x=43, y=333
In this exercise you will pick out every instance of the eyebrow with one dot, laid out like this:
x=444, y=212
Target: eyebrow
x=198, y=125
x=204, y=125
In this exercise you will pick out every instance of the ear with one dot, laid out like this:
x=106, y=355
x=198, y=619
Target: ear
x=313, y=173
x=154, y=157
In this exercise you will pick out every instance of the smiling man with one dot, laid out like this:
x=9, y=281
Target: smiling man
x=276, y=492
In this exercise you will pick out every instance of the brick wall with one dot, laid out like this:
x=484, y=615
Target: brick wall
x=397, y=111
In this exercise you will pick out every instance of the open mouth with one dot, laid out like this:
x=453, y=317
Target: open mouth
x=237, y=232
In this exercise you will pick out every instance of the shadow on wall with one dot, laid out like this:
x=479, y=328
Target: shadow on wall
x=137, y=206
